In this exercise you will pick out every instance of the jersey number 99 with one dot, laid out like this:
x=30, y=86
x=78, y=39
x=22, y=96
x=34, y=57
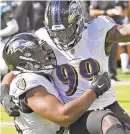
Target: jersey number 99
x=67, y=74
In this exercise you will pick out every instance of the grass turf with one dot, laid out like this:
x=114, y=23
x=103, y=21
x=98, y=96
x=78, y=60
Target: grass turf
x=8, y=130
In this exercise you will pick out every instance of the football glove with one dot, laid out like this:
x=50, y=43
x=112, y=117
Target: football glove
x=100, y=84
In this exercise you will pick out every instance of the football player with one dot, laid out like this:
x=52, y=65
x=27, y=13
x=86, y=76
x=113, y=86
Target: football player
x=9, y=25
x=87, y=47
x=31, y=98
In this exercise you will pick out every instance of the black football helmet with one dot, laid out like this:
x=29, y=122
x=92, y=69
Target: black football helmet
x=27, y=53
x=64, y=22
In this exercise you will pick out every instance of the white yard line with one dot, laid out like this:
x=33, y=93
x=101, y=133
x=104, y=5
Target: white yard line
x=123, y=92
x=122, y=82
x=6, y=124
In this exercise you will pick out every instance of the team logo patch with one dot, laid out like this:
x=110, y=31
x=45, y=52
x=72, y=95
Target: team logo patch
x=21, y=84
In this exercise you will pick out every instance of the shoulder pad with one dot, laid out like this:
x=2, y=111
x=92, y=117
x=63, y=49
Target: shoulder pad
x=43, y=35
x=26, y=81
x=102, y=22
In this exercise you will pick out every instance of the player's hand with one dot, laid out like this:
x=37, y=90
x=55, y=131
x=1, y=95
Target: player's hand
x=10, y=106
x=100, y=84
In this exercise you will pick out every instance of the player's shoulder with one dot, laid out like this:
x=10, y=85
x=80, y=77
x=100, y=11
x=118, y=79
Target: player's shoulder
x=100, y=22
x=26, y=81
x=42, y=33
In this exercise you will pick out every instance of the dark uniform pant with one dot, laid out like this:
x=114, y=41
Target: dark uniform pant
x=91, y=120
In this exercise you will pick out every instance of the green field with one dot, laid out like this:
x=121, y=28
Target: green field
x=122, y=94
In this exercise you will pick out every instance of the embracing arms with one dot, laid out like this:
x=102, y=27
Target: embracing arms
x=12, y=26
x=50, y=107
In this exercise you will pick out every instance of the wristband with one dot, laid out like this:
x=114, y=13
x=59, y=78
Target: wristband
x=4, y=90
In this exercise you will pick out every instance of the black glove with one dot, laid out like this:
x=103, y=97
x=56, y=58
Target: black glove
x=7, y=102
x=100, y=84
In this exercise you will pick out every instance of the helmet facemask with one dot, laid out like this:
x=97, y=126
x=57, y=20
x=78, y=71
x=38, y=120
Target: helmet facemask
x=41, y=59
x=68, y=32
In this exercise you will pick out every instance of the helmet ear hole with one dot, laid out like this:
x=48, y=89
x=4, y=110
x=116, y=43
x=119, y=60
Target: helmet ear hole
x=21, y=64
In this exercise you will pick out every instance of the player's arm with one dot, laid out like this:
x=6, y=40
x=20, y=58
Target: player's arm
x=49, y=107
x=7, y=79
x=12, y=26
x=7, y=100
x=119, y=33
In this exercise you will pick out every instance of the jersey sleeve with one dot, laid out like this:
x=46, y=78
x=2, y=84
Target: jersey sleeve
x=101, y=24
x=96, y=33
x=106, y=22
x=26, y=81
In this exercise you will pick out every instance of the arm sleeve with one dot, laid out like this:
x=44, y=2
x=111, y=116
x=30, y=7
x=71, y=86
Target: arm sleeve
x=98, y=30
x=105, y=23
x=101, y=25
x=12, y=28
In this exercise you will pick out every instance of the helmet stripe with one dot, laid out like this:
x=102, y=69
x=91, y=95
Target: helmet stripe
x=53, y=4
x=59, y=17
